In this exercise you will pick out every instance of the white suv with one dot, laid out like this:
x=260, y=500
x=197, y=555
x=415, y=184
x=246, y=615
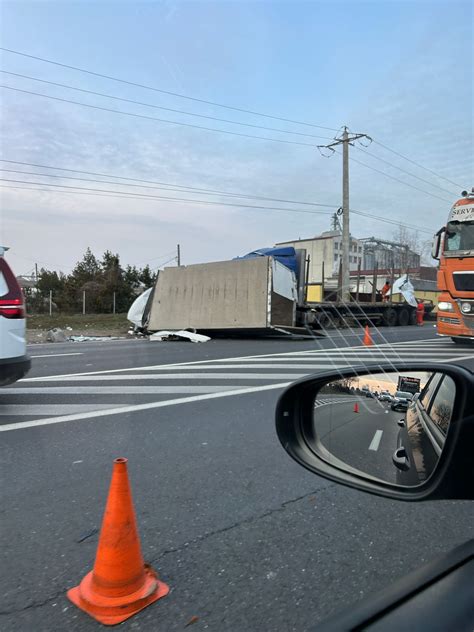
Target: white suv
x=14, y=361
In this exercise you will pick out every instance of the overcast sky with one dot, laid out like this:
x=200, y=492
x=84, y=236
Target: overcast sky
x=398, y=71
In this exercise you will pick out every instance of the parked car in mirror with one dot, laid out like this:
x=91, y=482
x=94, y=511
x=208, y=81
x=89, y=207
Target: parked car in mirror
x=423, y=432
x=401, y=400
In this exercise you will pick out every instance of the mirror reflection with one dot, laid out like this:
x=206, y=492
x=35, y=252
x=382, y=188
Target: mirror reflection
x=391, y=426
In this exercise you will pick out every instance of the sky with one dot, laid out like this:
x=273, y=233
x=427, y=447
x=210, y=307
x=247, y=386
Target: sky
x=399, y=71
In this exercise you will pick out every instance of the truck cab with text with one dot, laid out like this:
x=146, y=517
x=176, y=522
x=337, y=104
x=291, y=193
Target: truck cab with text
x=454, y=247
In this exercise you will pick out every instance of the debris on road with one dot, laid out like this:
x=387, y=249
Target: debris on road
x=56, y=335
x=93, y=338
x=139, y=310
x=161, y=336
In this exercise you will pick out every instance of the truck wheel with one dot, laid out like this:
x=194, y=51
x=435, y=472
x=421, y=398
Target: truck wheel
x=324, y=321
x=403, y=317
x=412, y=320
x=390, y=317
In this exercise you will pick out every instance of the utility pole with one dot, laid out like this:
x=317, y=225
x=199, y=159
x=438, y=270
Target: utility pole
x=345, y=140
x=36, y=273
x=178, y=254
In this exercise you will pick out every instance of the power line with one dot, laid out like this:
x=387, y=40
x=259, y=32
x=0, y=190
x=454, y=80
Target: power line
x=174, y=94
x=398, y=180
x=164, y=256
x=153, y=118
x=125, y=195
x=159, y=107
x=417, y=164
x=172, y=199
x=391, y=221
x=181, y=189
x=403, y=170
x=221, y=105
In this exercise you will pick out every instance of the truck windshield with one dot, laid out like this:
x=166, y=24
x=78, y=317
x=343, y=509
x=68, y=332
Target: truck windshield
x=459, y=236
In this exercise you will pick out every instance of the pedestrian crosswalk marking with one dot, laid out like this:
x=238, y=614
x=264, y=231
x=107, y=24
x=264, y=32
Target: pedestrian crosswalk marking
x=44, y=397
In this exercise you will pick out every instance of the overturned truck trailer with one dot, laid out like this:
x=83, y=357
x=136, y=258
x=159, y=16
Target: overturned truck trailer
x=254, y=295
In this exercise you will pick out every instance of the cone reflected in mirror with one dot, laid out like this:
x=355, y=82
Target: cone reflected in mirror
x=120, y=584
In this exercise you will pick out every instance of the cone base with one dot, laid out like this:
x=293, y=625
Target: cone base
x=114, y=610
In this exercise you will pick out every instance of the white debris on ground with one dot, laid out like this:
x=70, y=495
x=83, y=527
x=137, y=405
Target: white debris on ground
x=56, y=335
x=161, y=336
x=93, y=338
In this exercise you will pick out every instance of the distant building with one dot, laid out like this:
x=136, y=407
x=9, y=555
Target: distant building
x=388, y=255
x=325, y=252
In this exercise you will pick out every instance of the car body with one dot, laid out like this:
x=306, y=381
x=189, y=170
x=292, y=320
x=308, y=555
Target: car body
x=14, y=360
x=385, y=397
x=424, y=432
x=401, y=400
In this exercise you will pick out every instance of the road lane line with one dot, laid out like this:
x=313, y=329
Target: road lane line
x=56, y=355
x=10, y=410
x=388, y=346
x=117, y=390
x=182, y=371
x=374, y=444
x=181, y=376
x=138, y=407
x=463, y=357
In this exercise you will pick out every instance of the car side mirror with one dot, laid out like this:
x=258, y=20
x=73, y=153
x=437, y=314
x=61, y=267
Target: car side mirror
x=327, y=424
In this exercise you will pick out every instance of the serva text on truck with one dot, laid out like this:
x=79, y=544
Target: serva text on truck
x=453, y=245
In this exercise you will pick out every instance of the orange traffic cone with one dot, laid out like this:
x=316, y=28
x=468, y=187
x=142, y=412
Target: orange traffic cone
x=367, y=338
x=120, y=584
x=356, y=407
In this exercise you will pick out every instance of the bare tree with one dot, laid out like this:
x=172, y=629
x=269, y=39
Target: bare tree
x=410, y=241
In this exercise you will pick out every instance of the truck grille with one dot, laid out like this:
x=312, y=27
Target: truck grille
x=464, y=281
x=451, y=321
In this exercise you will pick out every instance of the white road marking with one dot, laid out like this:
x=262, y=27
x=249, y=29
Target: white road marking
x=138, y=407
x=309, y=365
x=463, y=357
x=9, y=410
x=199, y=362
x=374, y=444
x=353, y=354
x=117, y=390
x=56, y=355
x=184, y=376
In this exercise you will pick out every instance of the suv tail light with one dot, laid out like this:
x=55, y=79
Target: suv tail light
x=12, y=303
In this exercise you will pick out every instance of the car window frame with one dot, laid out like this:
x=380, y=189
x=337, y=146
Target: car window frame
x=435, y=435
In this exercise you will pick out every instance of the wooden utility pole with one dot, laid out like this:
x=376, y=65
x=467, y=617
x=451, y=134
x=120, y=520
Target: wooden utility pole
x=178, y=254
x=345, y=140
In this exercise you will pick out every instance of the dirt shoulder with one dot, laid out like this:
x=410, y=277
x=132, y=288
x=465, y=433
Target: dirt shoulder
x=38, y=325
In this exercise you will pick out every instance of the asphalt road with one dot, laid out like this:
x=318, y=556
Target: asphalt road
x=246, y=539
x=366, y=439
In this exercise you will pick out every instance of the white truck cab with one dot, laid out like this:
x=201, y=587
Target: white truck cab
x=14, y=361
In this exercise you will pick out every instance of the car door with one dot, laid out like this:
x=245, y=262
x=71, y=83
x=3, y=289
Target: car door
x=427, y=420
